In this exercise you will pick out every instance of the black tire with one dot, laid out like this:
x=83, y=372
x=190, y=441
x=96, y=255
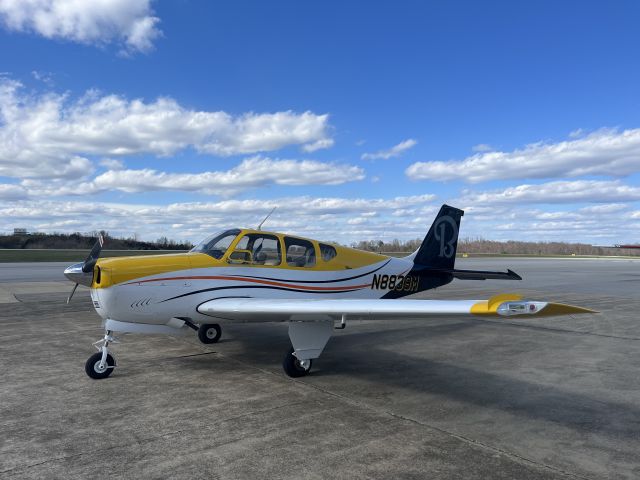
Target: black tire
x=209, y=332
x=91, y=367
x=292, y=367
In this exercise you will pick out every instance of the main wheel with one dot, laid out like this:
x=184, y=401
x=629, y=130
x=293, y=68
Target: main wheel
x=209, y=332
x=92, y=367
x=295, y=368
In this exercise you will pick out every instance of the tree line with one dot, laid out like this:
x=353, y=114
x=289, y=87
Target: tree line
x=83, y=241
x=511, y=247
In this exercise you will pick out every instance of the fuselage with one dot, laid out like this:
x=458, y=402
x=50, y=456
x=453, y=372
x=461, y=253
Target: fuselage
x=154, y=289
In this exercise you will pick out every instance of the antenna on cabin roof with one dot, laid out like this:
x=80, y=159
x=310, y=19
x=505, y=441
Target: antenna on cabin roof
x=265, y=218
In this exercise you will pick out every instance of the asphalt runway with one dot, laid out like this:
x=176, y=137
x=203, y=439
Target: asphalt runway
x=455, y=398
x=32, y=272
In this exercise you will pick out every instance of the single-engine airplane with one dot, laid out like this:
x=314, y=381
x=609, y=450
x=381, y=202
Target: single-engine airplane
x=243, y=275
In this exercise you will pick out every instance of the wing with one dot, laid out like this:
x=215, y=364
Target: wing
x=282, y=310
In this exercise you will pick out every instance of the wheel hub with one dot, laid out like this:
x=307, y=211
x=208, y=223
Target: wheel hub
x=304, y=364
x=98, y=368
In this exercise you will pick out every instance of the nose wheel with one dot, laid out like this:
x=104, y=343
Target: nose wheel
x=100, y=365
x=96, y=369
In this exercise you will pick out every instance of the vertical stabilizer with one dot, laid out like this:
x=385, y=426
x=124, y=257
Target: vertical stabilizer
x=438, y=249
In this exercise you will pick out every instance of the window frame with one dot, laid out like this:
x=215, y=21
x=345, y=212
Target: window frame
x=218, y=235
x=241, y=236
x=304, y=241
x=335, y=251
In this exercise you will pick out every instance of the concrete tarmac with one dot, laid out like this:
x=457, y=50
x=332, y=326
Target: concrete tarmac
x=454, y=398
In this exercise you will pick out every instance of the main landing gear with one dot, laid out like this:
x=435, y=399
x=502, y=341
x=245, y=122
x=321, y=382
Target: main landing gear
x=209, y=333
x=308, y=340
x=295, y=367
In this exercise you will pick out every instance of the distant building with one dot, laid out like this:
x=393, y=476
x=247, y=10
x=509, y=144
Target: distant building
x=20, y=231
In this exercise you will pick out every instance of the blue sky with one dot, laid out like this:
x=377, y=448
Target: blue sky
x=357, y=119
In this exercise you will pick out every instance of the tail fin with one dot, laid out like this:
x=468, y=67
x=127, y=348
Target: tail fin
x=438, y=249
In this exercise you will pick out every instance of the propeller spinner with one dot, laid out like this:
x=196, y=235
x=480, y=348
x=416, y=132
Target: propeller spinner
x=82, y=273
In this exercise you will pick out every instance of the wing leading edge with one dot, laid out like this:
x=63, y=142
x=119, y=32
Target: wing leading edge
x=282, y=310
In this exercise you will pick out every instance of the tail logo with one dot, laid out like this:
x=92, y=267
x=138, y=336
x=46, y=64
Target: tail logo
x=446, y=236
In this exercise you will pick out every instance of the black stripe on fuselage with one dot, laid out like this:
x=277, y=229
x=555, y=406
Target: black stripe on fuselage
x=255, y=286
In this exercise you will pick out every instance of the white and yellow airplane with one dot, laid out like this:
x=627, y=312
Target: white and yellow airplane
x=244, y=275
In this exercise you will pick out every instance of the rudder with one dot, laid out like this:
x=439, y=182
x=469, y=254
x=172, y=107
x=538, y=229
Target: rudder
x=438, y=249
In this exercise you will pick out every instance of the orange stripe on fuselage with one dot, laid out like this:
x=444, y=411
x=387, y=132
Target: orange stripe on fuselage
x=254, y=280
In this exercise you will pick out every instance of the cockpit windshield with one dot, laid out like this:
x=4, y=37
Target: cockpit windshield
x=217, y=244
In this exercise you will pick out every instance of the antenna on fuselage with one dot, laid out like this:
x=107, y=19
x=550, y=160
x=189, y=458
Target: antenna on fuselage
x=265, y=218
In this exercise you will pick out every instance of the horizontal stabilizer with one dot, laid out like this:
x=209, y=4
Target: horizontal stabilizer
x=471, y=274
x=305, y=309
x=485, y=275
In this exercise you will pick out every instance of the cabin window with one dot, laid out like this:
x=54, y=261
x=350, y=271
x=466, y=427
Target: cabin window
x=257, y=249
x=217, y=244
x=327, y=252
x=300, y=253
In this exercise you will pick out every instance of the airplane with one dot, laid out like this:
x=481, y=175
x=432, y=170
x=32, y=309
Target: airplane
x=247, y=275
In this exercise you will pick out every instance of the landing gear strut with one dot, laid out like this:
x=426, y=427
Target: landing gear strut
x=101, y=364
x=209, y=332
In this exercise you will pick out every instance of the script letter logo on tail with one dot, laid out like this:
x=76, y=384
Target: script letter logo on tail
x=447, y=237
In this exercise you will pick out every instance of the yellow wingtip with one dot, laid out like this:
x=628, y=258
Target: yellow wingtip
x=490, y=307
x=564, y=309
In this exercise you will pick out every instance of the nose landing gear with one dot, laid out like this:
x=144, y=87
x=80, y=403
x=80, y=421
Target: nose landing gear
x=101, y=364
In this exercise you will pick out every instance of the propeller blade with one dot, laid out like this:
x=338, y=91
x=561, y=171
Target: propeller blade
x=83, y=272
x=72, y=292
x=94, y=254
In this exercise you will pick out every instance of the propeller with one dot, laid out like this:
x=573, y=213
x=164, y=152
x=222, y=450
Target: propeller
x=82, y=273
x=94, y=254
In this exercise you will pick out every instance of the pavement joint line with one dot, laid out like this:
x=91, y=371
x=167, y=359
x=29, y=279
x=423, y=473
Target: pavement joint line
x=150, y=439
x=196, y=354
x=462, y=438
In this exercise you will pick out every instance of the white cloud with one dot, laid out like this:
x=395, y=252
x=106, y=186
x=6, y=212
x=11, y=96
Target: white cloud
x=304, y=205
x=127, y=23
x=605, y=152
x=12, y=192
x=581, y=225
x=578, y=132
x=318, y=145
x=482, y=147
x=49, y=136
x=44, y=77
x=394, y=151
x=250, y=173
x=112, y=164
x=577, y=191
x=323, y=218
x=332, y=218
